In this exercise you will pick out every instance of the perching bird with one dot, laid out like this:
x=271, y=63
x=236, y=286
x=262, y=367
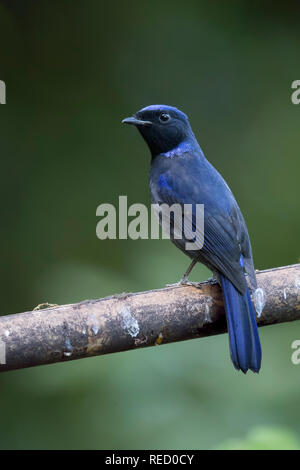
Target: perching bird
x=180, y=174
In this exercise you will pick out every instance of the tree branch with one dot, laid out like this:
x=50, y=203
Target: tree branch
x=130, y=321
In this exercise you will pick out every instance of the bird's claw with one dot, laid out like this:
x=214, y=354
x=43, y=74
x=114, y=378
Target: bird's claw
x=190, y=283
x=213, y=280
x=184, y=282
x=177, y=284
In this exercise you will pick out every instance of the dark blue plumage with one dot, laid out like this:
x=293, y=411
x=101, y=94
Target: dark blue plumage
x=181, y=174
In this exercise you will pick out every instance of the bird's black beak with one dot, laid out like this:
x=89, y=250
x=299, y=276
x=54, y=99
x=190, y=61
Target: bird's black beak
x=136, y=122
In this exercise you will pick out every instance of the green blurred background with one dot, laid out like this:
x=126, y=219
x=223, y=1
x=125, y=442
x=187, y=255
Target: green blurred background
x=73, y=70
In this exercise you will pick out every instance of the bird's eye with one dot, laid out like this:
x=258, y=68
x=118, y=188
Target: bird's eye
x=164, y=117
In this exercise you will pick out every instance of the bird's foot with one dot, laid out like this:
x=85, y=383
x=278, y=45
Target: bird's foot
x=212, y=279
x=190, y=283
x=176, y=284
x=184, y=282
x=215, y=278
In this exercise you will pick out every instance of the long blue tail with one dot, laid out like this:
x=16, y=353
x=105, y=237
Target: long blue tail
x=245, y=349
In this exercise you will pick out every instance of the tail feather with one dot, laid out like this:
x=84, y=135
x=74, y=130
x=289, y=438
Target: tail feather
x=245, y=349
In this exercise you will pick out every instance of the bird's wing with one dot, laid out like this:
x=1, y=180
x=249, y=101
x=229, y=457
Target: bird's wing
x=244, y=240
x=225, y=233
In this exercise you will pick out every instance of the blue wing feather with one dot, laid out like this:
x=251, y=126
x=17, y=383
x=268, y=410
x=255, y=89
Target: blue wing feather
x=226, y=249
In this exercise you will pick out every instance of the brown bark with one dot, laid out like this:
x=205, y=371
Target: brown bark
x=130, y=321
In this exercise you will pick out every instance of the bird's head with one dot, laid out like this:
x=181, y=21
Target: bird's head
x=163, y=127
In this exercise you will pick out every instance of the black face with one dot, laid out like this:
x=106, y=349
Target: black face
x=162, y=127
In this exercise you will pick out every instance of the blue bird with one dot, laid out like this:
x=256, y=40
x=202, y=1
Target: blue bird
x=180, y=174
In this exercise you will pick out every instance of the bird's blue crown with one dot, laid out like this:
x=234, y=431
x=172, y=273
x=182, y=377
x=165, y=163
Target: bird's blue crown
x=164, y=108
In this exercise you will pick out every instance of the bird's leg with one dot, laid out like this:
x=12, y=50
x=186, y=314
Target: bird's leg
x=215, y=278
x=185, y=277
x=184, y=280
